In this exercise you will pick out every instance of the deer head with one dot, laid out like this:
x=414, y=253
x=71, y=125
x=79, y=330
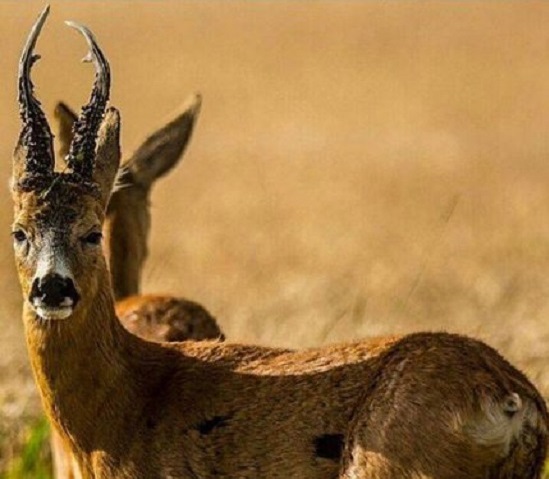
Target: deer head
x=128, y=219
x=59, y=214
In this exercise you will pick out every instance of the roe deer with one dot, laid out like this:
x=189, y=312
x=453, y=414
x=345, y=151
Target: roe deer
x=126, y=229
x=428, y=405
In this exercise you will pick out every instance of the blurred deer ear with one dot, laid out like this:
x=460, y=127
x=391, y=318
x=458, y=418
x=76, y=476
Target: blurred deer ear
x=107, y=158
x=164, y=148
x=65, y=118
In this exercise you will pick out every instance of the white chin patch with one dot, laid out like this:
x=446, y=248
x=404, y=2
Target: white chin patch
x=63, y=311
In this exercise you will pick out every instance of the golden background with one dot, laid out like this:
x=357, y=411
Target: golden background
x=358, y=168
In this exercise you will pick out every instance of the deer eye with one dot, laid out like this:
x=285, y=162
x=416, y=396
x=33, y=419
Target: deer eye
x=92, y=239
x=19, y=236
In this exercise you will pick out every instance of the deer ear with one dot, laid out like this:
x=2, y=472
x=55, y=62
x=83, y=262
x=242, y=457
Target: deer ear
x=164, y=148
x=65, y=118
x=107, y=158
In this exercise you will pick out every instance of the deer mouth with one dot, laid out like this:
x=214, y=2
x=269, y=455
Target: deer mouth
x=62, y=311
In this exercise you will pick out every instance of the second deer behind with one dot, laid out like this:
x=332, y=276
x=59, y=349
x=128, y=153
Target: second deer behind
x=127, y=230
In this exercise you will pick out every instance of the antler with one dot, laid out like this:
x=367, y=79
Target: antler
x=82, y=151
x=35, y=135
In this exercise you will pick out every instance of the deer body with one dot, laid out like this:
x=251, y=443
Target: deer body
x=134, y=409
x=428, y=405
x=167, y=318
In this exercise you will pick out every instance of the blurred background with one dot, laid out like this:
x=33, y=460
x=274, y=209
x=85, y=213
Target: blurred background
x=358, y=168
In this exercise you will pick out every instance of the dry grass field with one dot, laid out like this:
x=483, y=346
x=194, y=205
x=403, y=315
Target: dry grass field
x=359, y=168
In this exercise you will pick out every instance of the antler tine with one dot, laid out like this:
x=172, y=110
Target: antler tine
x=82, y=151
x=36, y=134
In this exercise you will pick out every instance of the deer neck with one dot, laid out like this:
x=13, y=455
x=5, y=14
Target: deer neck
x=79, y=364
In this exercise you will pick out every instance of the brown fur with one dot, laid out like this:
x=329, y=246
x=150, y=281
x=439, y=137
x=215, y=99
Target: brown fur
x=165, y=318
x=427, y=405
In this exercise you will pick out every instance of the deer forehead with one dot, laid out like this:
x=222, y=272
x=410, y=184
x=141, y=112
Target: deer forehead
x=59, y=209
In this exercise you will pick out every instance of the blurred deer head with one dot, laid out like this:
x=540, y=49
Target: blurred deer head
x=128, y=214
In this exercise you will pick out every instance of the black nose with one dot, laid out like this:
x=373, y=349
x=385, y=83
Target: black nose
x=53, y=289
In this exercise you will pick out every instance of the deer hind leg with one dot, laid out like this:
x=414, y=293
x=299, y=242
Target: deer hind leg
x=370, y=457
x=449, y=408
x=376, y=460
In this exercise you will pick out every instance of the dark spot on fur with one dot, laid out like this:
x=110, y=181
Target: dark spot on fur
x=150, y=423
x=329, y=446
x=207, y=426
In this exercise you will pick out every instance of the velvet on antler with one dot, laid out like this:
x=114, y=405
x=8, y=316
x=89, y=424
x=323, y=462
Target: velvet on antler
x=36, y=140
x=81, y=155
